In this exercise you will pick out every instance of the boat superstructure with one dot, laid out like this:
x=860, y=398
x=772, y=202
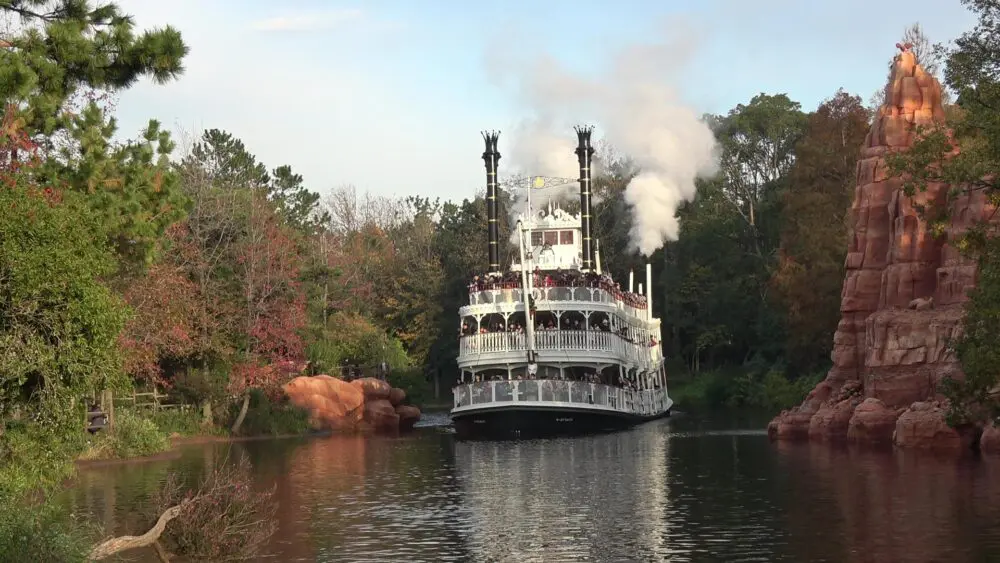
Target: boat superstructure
x=553, y=344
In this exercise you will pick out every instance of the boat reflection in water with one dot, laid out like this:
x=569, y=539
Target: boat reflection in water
x=600, y=498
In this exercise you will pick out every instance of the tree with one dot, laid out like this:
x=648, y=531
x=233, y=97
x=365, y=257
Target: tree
x=811, y=261
x=65, y=51
x=63, y=46
x=243, y=256
x=965, y=154
x=758, y=142
x=58, y=322
x=163, y=326
x=271, y=305
x=298, y=206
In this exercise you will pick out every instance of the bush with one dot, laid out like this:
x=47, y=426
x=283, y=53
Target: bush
x=767, y=389
x=43, y=532
x=36, y=457
x=225, y=520
x=418, y=390
x=133, y=436
x=175, y=421
x=267, y=417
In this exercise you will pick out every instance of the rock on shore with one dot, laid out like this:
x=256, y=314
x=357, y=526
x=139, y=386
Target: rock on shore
x=362, y=405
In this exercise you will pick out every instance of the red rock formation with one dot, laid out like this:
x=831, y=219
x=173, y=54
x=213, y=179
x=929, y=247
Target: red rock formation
x=903, y=290
x=363, y=405
x=872, y=422
x=408, y=416
x=923, y=426
x=989, y=442
x=397, y=396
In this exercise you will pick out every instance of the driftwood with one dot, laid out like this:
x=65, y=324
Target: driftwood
x=150, y=538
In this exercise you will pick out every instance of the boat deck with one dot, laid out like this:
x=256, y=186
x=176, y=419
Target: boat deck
x=559, y=394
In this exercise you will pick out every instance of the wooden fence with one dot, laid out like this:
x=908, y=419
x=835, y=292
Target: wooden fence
x=152, y=400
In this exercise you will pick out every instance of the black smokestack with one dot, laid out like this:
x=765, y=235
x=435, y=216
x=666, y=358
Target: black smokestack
x=491, y=157
x=585, y=153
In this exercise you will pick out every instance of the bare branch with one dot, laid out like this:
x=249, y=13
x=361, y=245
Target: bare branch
x=124, y=543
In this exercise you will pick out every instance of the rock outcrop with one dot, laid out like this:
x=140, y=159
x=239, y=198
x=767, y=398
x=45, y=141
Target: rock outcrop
x=363, y=405
x=903, y=291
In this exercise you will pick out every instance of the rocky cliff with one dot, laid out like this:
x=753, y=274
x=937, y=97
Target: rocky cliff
x=363, y=405
x=902, y=295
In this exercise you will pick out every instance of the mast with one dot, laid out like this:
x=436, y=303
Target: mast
x=529, y=321
x=649, y=292
x=491, y=157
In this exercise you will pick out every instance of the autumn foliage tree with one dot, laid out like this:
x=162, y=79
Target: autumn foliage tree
x=271, y=303
x=814, y=235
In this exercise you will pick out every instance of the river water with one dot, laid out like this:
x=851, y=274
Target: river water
x=688, y=488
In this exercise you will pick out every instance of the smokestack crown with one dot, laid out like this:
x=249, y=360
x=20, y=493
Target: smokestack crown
x=583, y=133
x=491, y=137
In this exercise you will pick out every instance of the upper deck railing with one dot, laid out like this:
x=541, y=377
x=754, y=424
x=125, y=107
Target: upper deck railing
x=634, y=300
x=511, y=292
x=570, y=340
x=560, y=393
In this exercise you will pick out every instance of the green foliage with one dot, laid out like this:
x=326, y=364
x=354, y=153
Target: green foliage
x=43, y=532
x=71, y=45
x=352, y=338
x=38, y=458
x=175, y=421
x=975, y=398
x=297, y=205
x=810, y=270
x=132, y=187
x=412, y=380
x=767, y=389
x=135, y=436
x=58, y=323
x=267, y=417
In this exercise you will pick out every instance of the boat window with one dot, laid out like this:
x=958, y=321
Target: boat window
x=566, y=237
x=551, y=237
x=536, y=238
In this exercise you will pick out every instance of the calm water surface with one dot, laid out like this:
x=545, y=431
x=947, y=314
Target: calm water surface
x=685, y=489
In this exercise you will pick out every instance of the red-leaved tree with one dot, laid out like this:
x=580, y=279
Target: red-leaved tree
x=164, y=324
x=272, y=304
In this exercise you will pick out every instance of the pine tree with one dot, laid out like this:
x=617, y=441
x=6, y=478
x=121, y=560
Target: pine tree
x=63, y=46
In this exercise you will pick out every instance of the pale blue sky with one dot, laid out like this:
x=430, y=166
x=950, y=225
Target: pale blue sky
x=390, y=95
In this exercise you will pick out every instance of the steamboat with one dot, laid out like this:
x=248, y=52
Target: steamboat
x=552, y=345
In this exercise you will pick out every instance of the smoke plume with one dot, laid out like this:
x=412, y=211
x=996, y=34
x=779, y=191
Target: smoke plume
x=634, y=104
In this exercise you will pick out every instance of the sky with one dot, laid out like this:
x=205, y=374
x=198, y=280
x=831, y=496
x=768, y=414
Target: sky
x=390, y=96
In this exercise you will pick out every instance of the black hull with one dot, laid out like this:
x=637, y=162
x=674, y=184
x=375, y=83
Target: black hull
x=523, y=423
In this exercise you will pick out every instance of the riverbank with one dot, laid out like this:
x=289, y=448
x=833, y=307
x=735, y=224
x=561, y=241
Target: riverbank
x=178, y=442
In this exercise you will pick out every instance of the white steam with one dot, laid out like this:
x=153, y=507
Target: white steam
x=636, y=108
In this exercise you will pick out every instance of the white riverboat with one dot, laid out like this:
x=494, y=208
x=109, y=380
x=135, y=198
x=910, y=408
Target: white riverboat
x=552, y=345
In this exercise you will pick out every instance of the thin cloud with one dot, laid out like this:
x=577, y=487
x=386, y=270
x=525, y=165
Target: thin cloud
x=308, y=22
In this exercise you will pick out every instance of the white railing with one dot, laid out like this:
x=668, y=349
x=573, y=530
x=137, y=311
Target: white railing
x=580, y=340
x=554, y=393
x=510, y=293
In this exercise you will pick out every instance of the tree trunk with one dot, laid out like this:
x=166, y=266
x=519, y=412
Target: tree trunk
x=243, y=413
x=123, y=543
x=206, y=413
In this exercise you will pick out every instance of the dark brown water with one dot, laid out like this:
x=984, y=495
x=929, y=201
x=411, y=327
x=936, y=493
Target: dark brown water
x=684, y=489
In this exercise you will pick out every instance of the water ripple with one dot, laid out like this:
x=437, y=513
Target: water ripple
x=680, y=490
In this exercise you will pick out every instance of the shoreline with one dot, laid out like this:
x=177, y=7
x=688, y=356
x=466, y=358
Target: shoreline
x=178, y=442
